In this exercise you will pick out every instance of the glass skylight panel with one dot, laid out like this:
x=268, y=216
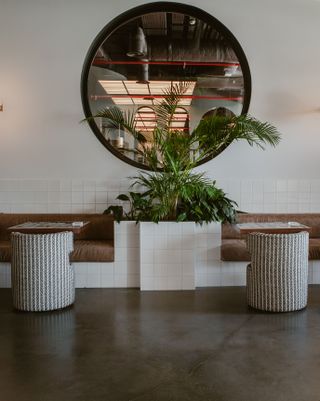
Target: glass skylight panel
x=113, y=87
x=141, y=100
x=158, y=87
x=175, y=124
x=136, y=88
x=133, y=92
x=185, y=102
x=122, y=100
x=190, y=89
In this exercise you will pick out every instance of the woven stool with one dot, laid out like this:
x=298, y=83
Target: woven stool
x=277, y=278
x=42, y=276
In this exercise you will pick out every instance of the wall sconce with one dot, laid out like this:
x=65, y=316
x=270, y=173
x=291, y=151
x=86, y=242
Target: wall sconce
x=1, y=106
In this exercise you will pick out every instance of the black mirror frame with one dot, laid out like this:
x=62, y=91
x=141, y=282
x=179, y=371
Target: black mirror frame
x=162, y=6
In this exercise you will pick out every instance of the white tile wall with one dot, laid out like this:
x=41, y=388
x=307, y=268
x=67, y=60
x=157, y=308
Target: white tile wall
x=264, y=195
x=123, y=272
x=127, y=255
x=91, y=196
x=5, y=275
x=167, y=256
x=94, y=196
x=271, y=196
x=59, y=196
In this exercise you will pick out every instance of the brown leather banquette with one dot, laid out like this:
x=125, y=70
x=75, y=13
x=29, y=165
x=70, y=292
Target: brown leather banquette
x=95, y=243
x=233, y=245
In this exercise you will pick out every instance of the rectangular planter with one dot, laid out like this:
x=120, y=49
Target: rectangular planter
x=167, y=256
x=126, y=262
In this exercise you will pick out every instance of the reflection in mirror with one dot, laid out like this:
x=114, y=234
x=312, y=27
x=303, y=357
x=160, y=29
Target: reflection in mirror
x=219, y=111
x=146, y=55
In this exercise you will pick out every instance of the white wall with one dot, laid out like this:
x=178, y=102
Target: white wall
x=43, y=44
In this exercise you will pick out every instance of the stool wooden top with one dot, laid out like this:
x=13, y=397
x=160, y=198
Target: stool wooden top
x=47, y=227
x=274, y=227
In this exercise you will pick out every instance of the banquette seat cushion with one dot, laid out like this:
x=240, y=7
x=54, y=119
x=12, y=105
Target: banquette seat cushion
x=95, y=243
x=233, y=245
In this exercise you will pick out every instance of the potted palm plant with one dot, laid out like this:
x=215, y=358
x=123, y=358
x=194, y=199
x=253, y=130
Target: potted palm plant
x=172, y=192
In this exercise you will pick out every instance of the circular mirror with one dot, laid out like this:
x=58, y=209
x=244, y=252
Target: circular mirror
x=146, y=51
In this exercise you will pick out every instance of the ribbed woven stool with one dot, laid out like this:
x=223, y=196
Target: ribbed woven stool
x=42, y=276
x=277, y=278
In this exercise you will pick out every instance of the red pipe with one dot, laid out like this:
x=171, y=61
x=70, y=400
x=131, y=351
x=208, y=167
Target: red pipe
x=94, y=97
x=183, y=63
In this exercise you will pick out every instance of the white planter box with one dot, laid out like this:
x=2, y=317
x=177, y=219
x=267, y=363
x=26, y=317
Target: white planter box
x=167, y=256
x=126, y=261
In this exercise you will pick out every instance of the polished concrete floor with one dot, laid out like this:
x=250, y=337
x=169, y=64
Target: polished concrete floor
x=121, y=345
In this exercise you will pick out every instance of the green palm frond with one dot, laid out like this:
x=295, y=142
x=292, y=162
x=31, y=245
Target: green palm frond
x=168, y=106
x=172, y=191
x=214, y=133
x=254, y=131
x=184, y=197
x=117, y=118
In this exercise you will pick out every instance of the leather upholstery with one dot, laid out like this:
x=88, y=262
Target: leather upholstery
x=233, y=246
x=92, y=251
x=234, y=250
x=101, y=226
x=95, y=243
x=5, y=251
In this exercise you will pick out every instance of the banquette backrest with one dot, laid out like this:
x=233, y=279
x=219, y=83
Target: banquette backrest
x=100, y=228
x=230, y=231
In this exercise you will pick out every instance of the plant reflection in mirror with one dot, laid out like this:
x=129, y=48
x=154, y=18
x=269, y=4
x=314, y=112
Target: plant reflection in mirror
x=172, y=191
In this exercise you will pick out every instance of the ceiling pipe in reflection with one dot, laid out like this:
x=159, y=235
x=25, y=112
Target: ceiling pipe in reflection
x=139, y=49
x=138, y=45
x=195, y=43
x=144, y=70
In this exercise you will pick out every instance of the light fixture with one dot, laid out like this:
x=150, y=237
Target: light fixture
x=1, y=106
x=138, y=46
